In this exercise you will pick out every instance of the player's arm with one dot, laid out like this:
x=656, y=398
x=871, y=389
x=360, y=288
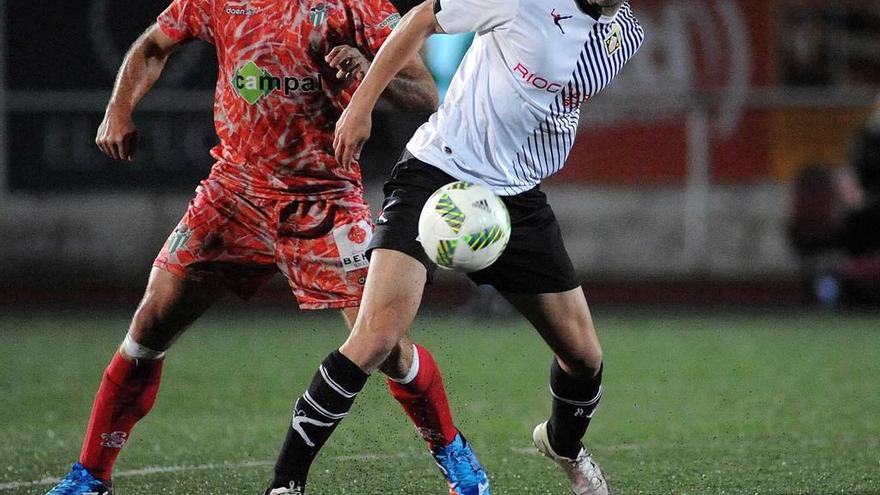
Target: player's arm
x=412, y=89
x=141, y=67
x=399, y=51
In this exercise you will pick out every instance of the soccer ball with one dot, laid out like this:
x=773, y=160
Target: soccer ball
x=464, y=227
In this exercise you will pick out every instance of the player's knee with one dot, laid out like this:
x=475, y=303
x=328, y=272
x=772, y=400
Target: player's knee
x=376, y=336
x=383, y=345
x=584, y=361
x=153, y=324
x=383, y=326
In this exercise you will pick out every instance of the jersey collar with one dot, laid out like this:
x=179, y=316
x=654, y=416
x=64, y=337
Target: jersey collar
x=595, y=12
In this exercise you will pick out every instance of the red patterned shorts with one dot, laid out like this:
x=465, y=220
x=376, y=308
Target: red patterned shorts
x=241, y=242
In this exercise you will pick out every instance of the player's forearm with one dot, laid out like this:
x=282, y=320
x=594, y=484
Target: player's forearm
x=141, y=68
x=399, y=49
x=413, y=90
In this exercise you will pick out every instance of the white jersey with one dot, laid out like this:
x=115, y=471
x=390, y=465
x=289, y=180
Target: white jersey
x=511, y=112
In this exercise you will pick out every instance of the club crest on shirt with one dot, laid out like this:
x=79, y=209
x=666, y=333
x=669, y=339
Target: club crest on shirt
x=614, y=40
x=179, y=238
x=318, y=14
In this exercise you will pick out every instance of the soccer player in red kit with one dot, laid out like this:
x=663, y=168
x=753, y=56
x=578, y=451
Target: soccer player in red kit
x=275, y=200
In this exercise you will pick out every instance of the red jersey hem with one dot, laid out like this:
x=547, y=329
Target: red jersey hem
x=236, y=186
x=345, y=303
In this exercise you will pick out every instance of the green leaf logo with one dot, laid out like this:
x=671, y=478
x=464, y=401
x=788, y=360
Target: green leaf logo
x=252, y=82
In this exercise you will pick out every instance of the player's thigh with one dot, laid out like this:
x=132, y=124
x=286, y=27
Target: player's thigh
x=391, y=299
x=170, y=304
x=564, y=321
x=223, y=239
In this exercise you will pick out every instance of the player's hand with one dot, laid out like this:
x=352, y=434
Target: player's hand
x=117, y=135
x=352, y=131
x=348, y=61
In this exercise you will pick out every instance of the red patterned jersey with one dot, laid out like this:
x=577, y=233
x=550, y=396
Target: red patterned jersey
x=277, y=100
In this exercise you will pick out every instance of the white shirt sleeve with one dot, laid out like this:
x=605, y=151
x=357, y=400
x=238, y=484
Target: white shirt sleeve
x=474, y=16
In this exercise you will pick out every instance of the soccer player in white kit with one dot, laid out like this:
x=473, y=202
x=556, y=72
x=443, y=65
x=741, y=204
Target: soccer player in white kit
x=509, y=121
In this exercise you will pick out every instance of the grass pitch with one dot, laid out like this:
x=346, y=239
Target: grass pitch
x=694, y=404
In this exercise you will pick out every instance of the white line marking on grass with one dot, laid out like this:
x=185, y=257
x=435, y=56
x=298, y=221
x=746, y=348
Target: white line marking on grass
x=12, y=485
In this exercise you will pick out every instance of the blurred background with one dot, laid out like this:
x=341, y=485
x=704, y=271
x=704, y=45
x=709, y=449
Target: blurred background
x=721, y=189
x=733, y=162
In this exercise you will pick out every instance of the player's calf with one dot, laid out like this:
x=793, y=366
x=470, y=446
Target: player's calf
x=127, y=393
x=575, y=399
x=422, y=395
x=316, y=414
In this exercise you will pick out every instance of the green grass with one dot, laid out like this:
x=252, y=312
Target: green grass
x=695, y=404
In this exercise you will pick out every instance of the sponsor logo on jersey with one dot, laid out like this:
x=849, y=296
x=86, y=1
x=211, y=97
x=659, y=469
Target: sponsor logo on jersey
x=351, y=242
x=558, y=18
x=535, y=80
x=241, y=11
x=390, y=22
x=614, y=40
x=357, y=234
x=253, y=83
x=318, y=14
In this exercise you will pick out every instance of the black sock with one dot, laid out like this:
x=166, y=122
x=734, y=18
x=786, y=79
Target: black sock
x=315, y=415
x=574, y=402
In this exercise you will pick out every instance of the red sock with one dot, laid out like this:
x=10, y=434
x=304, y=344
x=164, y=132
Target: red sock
x=127, y=393
x=424, y=400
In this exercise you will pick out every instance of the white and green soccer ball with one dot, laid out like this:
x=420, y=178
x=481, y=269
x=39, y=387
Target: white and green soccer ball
x=464, y=227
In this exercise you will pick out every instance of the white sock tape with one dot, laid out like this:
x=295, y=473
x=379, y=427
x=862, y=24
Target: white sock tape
x=134, y=350
x=413, y=370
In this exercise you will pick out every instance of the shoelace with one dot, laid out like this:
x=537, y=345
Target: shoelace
x=584, y=463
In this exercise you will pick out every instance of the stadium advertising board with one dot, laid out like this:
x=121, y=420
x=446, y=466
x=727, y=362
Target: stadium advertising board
x=57, y=86
x=717, y=63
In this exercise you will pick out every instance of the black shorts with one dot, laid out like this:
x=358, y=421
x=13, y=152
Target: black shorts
x=535, y=260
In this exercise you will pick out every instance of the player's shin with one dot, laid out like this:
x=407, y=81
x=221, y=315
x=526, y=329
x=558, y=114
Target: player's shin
x=575, y=400
x=316, y=414
x=127, y=392
x=422, y=395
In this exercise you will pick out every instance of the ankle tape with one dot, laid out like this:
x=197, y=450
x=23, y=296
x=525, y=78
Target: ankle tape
x=413, y=370
x=134, y=350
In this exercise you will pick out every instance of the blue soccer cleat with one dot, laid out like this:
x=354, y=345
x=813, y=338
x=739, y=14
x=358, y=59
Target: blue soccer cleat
x=464, y=474
x=79, y=481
